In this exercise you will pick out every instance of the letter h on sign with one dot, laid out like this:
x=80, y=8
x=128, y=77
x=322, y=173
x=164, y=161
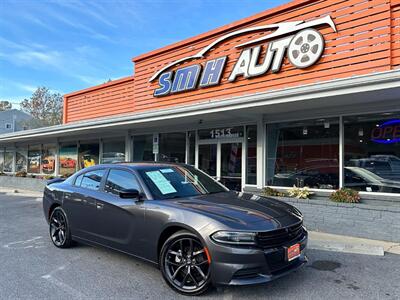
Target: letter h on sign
x=212, y=72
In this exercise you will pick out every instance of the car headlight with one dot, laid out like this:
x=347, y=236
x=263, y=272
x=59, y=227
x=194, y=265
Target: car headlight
x=234, y=237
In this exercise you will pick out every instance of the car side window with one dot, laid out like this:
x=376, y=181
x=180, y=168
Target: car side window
x=90, y=180
x=120, y=180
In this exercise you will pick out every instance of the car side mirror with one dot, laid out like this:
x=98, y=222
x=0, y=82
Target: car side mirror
x=129, y=194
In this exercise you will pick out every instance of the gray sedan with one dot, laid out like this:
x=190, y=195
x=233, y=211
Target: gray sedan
x=179, y=219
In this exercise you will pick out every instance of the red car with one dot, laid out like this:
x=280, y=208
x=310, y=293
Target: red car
x=68, y=163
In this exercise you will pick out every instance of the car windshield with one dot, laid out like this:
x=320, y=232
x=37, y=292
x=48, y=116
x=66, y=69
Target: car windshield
x=167, y=182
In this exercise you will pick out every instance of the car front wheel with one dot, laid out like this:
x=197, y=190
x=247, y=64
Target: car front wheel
x=185, y=263
x=59, y=230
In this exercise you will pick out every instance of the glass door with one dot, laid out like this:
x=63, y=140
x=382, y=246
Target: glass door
x=208, y=159
x=223, y=161
x=231, y=165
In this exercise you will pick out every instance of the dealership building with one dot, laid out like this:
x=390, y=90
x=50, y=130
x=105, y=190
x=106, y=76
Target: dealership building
x=305, y=94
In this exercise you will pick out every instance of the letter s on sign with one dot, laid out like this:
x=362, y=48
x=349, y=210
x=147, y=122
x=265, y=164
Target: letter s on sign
x=165, y=82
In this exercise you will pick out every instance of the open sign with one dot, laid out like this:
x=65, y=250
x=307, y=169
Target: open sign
x=386, y=133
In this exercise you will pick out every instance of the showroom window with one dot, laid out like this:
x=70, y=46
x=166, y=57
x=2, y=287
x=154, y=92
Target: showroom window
x=251, y=168
x=21, y=160
x=48, y=162
x=372, y=152
x=88, y=155
x=303, y=153
x=113, y=151
x=1, y=160
x=143, y=148
x=8, y=161
x=68, y=159
x=172, y=147
x=34, y=155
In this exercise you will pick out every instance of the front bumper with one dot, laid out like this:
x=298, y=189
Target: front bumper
x=245, y=266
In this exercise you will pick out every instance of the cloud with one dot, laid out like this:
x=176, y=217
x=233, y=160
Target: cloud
x=90, y=80
x=89, y=10
x=37, y=58
x=25, y=87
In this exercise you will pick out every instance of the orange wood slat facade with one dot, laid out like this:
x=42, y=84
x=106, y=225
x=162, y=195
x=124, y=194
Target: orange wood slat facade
x=367, y=41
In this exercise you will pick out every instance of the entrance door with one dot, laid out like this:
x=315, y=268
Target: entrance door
x=208, y=159
x=223, y=161
x=231, y=166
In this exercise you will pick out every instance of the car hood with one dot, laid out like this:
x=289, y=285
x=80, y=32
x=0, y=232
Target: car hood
x=243, y=210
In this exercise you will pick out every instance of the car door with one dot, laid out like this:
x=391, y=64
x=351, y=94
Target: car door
x=119, y=222
x=80, y=203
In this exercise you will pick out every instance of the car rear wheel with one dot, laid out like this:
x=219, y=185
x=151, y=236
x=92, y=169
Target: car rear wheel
x=185, y=263
x=59, y=230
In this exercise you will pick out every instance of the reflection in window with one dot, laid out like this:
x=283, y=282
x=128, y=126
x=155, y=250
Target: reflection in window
x=8, y=161
x=91, y=180
x=119, y=180
x=113, y=152
x=21, y=159
x=34, y=155
x=88, y=155
x=251, y=170
x=143, y=147
x=304, y=153
x=192, y=147
x=372, y=152
x=172, y=147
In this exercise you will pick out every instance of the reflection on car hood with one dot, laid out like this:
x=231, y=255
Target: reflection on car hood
x=243, y=210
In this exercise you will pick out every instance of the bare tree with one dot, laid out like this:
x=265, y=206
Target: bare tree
x=45, y=107
x=5, y=105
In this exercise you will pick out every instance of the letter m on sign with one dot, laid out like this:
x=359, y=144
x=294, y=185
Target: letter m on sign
x=185, y=79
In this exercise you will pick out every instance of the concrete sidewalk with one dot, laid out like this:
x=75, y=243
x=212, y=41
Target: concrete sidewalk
x=317, y=240
x=349, y=244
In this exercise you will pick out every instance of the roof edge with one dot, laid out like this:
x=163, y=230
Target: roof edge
x=355, y=82
x=100, y=86
x=233, y=25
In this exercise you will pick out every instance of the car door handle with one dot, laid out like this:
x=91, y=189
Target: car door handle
x=99, y=205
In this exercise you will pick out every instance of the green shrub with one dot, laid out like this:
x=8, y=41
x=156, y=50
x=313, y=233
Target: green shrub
x=300, y=193
x=272, y=192
x=345, y=195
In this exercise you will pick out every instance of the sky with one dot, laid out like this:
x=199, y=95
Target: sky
x=71, y=45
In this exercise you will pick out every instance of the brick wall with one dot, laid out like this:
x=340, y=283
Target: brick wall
x=359, y=220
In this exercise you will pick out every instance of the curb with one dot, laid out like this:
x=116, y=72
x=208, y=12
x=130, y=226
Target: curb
x=347, y=244
x=345, y=248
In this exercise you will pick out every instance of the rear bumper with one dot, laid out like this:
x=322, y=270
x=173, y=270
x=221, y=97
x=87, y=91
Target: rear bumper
x=246, y=266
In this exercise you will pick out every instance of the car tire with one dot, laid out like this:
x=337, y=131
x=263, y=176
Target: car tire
x=185, y=264
x=59, y=230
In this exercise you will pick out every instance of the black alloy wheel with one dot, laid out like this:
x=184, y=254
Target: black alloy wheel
x=185, y=264
x=59, y=231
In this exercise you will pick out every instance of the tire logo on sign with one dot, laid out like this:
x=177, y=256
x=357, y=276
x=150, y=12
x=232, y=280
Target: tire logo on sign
x=306, y=48
x=303, y=44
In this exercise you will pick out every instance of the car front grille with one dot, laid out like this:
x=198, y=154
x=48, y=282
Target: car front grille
x=279, y=237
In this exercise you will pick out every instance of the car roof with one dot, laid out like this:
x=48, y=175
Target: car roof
x=140, y=165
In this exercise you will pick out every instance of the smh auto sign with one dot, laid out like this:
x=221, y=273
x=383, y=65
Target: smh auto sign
x=302, y=44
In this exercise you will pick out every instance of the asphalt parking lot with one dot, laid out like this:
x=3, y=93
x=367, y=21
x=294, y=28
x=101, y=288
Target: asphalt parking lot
x=32, y=268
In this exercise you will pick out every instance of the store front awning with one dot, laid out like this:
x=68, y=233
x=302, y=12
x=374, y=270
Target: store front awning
x=354, y=94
